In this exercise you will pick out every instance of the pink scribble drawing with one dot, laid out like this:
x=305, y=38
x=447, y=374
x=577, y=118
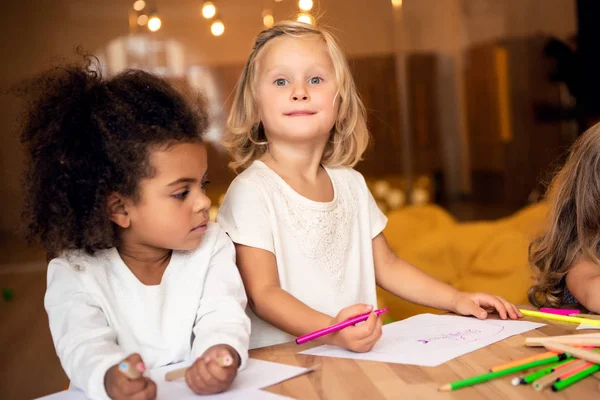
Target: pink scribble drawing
x=439, y=336
x=464, y=335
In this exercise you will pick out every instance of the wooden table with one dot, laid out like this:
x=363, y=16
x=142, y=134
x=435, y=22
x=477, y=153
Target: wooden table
x=339, y=378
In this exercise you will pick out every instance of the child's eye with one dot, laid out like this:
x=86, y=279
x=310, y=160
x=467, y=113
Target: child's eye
x=181, y=195
x=203, y=185
x=281, y=82
x=316, y=80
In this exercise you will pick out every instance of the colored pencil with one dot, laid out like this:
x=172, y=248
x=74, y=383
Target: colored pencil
x=132, y=373
x=493, y=375
x=522, y=361
x=586, y=339
x=560, y=385
x=559, y=311
x=562, y=318
x=582, y=354
x=549, y=380
x=527, y=379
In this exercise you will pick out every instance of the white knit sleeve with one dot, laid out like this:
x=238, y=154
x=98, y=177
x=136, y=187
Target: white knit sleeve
x=221, y=316
x=85, y=343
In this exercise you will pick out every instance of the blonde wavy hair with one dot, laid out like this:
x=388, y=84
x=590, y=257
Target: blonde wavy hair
x=245, y=137
x=574, y=229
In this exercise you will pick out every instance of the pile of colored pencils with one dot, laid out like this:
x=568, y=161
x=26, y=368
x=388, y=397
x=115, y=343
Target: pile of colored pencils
x=568, y=360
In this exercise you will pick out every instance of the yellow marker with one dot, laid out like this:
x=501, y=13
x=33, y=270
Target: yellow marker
x=562, y=318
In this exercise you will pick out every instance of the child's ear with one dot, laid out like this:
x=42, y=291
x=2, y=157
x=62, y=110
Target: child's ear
x=117, y=210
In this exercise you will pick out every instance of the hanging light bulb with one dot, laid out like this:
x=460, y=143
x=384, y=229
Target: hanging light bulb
x=139, y=5
x=208, y=9
x=217, y=27
x=154, y=23
x=306, y=18
x=397, y=3
x=305, y=5
x=268, y=19
x=142, y=20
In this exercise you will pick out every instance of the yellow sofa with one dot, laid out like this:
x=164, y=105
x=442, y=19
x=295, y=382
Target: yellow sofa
x=489, y=256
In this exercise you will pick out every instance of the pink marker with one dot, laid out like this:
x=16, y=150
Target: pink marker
x=337, y=327
x=559, y=311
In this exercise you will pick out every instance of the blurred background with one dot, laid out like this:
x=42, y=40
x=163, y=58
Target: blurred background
x=471, y=106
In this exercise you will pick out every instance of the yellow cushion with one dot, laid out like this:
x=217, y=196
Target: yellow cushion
x=489, y=256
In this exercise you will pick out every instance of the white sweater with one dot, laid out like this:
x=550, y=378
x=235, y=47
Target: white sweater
x=100, y=313
x=324, y=251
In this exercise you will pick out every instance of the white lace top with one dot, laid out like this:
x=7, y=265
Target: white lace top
x=324, y=250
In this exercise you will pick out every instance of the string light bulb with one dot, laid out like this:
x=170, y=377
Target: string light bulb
x=268, y=19
x=305, y=5
x=154, y=23
x=139, y=5
x=142, y=19
x=217, y=27
x=397, y=3
x=306, y=18
x=208, y=10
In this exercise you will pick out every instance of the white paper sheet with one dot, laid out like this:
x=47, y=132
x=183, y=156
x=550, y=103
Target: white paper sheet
x=258, y=374
x=431, y=340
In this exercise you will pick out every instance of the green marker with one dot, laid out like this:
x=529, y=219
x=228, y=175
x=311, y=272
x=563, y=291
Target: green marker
x=493, y=375
x=560, y=385
x=526, y=380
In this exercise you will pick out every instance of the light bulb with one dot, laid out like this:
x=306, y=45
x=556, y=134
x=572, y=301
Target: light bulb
x=217, y=28
x=154, y=23
x=208, y=10
x=397, y=3
x=139, y=5
x=142, y=20
x=305, y=5
x=307, y=19
x=268, y=19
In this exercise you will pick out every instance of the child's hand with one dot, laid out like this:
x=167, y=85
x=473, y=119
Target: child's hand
x=119, y=386
x=360, y=338
x=206, y=376
x=478, y=304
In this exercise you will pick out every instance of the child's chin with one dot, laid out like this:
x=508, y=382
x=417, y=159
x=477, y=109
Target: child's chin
x=190, y=245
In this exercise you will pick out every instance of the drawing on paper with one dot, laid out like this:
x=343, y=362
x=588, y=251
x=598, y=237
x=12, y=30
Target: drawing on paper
x=431, y=340
x=436, y=336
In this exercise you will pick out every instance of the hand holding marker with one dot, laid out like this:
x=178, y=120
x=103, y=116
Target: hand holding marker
x=337, y=327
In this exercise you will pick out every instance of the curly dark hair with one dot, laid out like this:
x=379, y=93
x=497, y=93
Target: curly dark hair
x=87, y=137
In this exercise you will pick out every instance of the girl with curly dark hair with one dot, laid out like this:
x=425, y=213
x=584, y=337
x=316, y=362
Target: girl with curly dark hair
x=115, y=194
x=566, y=258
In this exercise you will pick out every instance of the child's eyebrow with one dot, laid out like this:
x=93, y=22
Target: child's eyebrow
x=280, y=68
x=187, y=180
x=183, y=180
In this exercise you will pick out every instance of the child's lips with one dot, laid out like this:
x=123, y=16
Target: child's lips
x=199, y=228
x=300, y=113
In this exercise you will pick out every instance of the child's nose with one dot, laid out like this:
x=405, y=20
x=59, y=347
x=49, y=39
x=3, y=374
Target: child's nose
x=299, y=93
x=202, y=203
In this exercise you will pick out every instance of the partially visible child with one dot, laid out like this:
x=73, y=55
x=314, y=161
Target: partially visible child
x=566, y=258
x=115, y=192
x=308, y=232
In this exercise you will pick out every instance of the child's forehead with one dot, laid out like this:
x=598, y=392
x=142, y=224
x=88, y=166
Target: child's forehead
x=178, y=158
x=291, y=43
x=287, y=49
